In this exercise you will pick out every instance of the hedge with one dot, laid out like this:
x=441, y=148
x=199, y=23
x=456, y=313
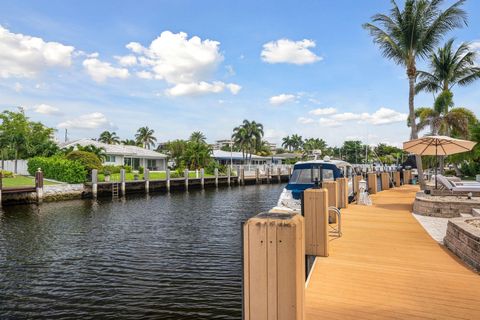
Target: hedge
x=58, y=168
x=88, y=159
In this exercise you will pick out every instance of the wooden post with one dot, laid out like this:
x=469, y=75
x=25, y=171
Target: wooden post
x=39, y=185
x=407, y=177
x=242, y=174
x=186, y=178
x=257, y=175
x=146, y=177
x=372, y=182
x=122, y=181
x=167, y=177
x=274, y=267
x=385, y=180
x=356, y=187
x=216, y=177
x=267, y=171
x=229, y=173
x=289, y=171
x=342, y=185
x=316, y=222
x=332, y=188
x=1, y=187
x=279, y=175
x=396, y=176
x=94, y=183
x=202, y=178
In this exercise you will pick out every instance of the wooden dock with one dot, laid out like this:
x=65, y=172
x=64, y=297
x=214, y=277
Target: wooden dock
x=386, y=266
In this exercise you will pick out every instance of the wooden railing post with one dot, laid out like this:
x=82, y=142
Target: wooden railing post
x=216, y=177
x=356, y=187
x=372, y=182
x=146, y=177
x=274, y=267
x=186, y=173
x=39, y=185
x=342, y=185
x=94, y=183
x=332, y=188
x=385, y=180
x=279, y=174
x=167, y=179
x=316, y=222
x=396, y=175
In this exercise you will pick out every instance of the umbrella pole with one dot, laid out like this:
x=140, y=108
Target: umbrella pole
x=436, y=165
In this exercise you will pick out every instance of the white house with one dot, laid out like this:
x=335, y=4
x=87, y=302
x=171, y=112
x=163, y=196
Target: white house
x=237, y=158
x=119, y=154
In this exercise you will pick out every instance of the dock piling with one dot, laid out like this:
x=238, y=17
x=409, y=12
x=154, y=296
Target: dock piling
x=257, y=175
x=229, y=173
x=167, y=181
x=268, y=174
x=316, y=222
x=39, y=185
x=1, y=186
x=274, y=267
x=372, y=182
x=216, y=177
x=279, y=175
x=186, y=179
x=332, y=188
x=342, y=184
x=122, y=182
x=146, y=177
x=202, y=178
x=94, y=183
x=397, y=178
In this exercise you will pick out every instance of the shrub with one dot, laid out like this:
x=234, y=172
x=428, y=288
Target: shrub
x=140, y=170
x=210, y=168
x=89, y=160
x=6, y=174
x=110, y=169
x=128, y=169
x=58, y=168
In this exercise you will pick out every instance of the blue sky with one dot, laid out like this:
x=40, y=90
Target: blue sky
x=297, y=67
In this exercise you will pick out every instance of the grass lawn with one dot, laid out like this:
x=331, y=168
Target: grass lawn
x=22, y=181
x=153, y=176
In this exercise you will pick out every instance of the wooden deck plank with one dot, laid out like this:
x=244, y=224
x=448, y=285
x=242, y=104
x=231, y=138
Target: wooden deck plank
x=386, y=267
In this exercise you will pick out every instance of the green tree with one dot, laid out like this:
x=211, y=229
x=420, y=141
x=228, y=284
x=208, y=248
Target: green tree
x=296, y=142
x=412, y=33
x=130, y=142
x=248, y=137
x=198, y=137
x=287, y=143
x=109, y=137
x=196, y=155
x=175, y=150
x=145, y=137
x=449, y=67
x=98, y=151
x=312, y=144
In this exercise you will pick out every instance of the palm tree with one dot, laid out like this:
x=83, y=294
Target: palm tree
x=296, y=141
x=198, y=137
x=109, y=137
x=443, y=119
x=240, y=139
x=287, y=143
x=248, y=137
x=130, y=142
x=413, y=33
x=314, y=144
x=145, y=137
x=196, y=155
x=449, y=67
x=98, y=151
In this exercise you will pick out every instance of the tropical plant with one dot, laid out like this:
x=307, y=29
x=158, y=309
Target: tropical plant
x=449, y=67
x=198, y=137
x=248, y=137
x=196, y=155
x=58, y=168
x=98, y=151
x=145, y=137
x=287, y=143
x=312, y=144
x=109, y=137
x=175, y=150
x=412, y=33
x=296, y=141
x=130, y=142
x=89, y=160
x=264, y=149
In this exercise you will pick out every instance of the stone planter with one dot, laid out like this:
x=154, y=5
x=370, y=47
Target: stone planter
x=463, y=239
x=444, y=206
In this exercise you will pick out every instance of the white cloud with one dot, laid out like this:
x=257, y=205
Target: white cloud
x=323, y=111
x=304, y=120
x=202, y=87
x=381, y=116
x=188, y=64
x=87, y=121
x=100, y=71
x=46, y=109
x=288, y=51
x=127, y=61
x=17, y=87
x=26, y=56
x=328, y=122
x=281, y=99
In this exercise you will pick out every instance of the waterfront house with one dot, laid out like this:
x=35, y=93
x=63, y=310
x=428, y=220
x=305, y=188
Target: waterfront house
x=237, y=158
x=119, y=154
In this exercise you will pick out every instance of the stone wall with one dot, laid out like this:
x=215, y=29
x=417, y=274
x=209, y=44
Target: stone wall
x=463, y=239
x=444, y=206
x=63, y=192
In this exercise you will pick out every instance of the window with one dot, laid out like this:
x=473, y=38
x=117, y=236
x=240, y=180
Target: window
x=301, y=176
x=109, y=158
x=327, y=175
x=127, y=162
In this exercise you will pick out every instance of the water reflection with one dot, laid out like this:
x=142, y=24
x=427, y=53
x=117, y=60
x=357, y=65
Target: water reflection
x=172, y=256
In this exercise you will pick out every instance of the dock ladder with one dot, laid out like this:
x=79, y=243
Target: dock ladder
x=115, y=187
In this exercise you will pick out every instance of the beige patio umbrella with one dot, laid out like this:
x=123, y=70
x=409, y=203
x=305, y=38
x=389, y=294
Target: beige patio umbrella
x=437, y=146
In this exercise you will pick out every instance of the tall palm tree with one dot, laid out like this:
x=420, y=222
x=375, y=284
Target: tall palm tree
x=449, y=67
x=287, y=143
x=130, y=142
x=198, y=137
x=248, y=137
x=240, y=139
x=109, y=137
x=314, y=144
x=297, y=142
x=443, y=119
x=98, y=151
x=145, y=137
x=411, y=33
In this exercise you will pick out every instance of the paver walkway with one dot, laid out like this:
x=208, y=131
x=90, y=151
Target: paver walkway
x=387, y=267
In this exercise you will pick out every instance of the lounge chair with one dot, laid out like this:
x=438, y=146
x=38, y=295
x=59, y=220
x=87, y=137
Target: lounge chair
x=458, y=186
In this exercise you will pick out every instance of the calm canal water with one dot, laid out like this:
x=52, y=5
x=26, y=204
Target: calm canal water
x=172, y=256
